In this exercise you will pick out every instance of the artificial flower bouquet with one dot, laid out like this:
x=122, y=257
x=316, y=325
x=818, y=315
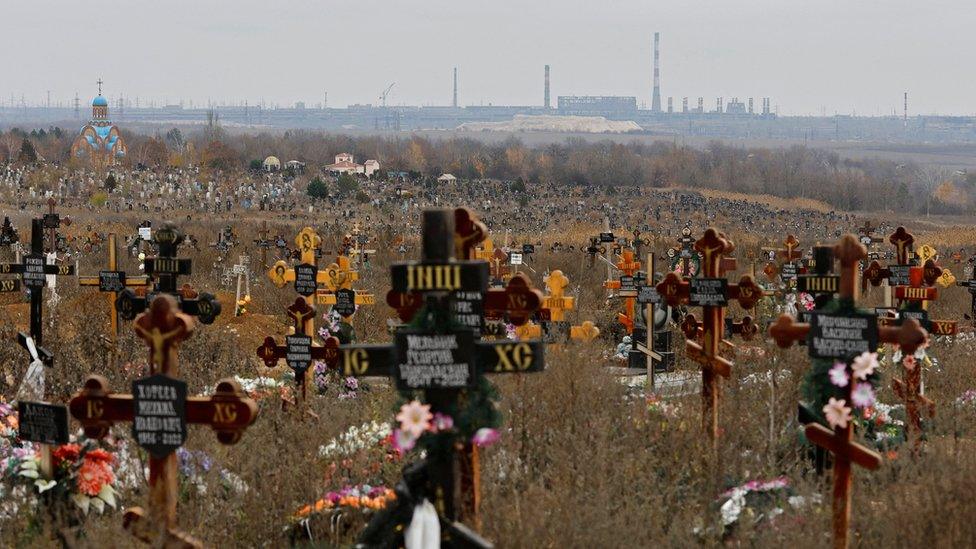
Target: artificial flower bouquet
x=82, y=474
x=755, y=504
x=339, y=513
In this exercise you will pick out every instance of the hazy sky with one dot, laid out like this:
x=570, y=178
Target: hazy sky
x=807, y=55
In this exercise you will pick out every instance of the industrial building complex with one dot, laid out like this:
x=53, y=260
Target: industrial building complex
x=751, y=117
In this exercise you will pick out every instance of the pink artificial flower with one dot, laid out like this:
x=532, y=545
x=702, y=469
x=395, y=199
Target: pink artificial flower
x=837, y=413
x=909, y=362
x=442, y=422
x=863, y=395
x=864, y=365
x=403, y=441
x=838, y=374
x=414, y=417
x=486, y=436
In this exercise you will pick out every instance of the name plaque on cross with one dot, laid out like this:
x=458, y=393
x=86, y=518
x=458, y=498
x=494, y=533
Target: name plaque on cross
x=435, y=361
x=648, y=295
x=111, y=281
x=305, y=279
x=708, y=292
x=788, y=271
x=42, y=422
x=899, y=275
x=841, y=336
x=298, y=353
x=159, y=422
x=345, y=303
x=469, y=309
x=33, y=275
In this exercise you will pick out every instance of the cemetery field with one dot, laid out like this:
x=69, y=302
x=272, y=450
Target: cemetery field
x=584, y=454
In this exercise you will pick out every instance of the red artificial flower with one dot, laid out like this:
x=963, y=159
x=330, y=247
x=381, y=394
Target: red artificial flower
x=93, y=475
x=67, y=452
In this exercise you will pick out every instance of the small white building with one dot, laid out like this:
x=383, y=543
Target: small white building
x=345, y=163
x=295, y=166
x=446, y=178
x=272, y=164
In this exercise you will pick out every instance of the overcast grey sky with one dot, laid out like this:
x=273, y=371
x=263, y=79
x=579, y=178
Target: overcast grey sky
x=807, y=55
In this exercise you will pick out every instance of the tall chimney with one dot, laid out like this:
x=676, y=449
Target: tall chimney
x=454, y=103
x=656, y=98
x=546, y=103
x=906, y=108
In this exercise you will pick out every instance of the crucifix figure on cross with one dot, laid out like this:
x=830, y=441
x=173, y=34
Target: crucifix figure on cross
x=159, y=410
x=842, y=340
x=298, y=350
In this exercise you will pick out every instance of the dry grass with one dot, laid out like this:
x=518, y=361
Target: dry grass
x=581, y=462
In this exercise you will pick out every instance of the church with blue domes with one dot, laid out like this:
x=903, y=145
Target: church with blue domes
x=99, y=142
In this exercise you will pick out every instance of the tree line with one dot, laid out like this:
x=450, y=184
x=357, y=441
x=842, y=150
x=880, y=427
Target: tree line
x=789, y=172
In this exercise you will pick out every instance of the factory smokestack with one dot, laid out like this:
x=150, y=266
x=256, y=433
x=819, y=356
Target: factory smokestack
x=906, y=109
x=546, y=103
x=656, y=98
x=454, y=103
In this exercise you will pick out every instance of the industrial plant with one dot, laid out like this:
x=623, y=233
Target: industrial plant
x=749, y=117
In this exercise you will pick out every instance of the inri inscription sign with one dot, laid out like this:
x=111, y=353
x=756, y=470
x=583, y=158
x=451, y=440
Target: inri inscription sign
x=841, y=336
x=708, y=292
x=42, y=422
x=435, y=361
x=159, y=423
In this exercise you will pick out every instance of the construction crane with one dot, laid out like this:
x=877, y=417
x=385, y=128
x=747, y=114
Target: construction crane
x=386, y=92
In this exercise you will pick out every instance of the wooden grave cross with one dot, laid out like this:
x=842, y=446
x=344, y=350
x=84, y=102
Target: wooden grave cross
x=897, y=273
x=787, y=268
x=165, y=269
x=338, y=291
x=628, y=266
x=969, y=285
x=712, y=293
x=686, y=250
x=159, y=410
x=298, y=350
x=34, y=270
x=112, y=281
x=306, y=275
x=842, y=345
x=593, y=249
x=243, y=272
x=554, y=306
x=867, y=234
x=417, y=359
x=52, y=221
x=358, y=251
x=264, y=244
